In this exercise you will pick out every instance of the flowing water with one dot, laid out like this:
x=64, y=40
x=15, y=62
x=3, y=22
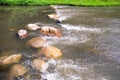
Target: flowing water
x=90, y=42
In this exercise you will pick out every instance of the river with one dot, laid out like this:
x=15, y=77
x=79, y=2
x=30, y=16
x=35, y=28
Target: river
x=90, y=43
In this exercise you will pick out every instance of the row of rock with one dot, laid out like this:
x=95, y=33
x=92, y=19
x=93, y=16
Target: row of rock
x=46, y=31
x=17, y=70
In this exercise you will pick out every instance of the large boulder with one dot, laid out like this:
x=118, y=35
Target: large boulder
x=32, y=27
x=36, y=42
x=22, y=34
x=16, y=71
x=50, y=31
x=39, y=64
x=50, y=52
x=6, y=60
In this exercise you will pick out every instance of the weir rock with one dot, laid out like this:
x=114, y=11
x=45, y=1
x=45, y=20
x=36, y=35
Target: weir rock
x=50, y=52
x=39, y=64
x=50, y=31
x=36, y=42
x=55, y=17
x=6, y=60
x=32, y=27
x=16, y=71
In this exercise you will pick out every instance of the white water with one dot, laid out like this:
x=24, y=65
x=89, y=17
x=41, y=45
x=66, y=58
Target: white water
x=90, y=43
x=69, y=69
x=80, y=28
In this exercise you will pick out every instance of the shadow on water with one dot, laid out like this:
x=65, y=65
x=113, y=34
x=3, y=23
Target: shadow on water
x=90, y=42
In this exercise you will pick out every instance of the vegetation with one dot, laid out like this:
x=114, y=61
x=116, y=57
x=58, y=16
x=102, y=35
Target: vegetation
x=62, y=2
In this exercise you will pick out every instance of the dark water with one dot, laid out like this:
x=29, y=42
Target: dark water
x=90, y=42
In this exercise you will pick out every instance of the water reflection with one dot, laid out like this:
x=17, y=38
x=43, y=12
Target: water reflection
x=16, y=18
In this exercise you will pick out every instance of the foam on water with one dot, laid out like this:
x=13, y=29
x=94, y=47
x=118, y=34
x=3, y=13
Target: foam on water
x=67, y=69
x=80, y=28
x=62, y=16
x=60, y=72
x=66, y=40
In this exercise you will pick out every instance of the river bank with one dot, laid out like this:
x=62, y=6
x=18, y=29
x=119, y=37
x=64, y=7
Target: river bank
x=60, y=2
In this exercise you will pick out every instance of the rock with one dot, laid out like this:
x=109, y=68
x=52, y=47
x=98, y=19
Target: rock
x=39, y=64
x=5, y=60
x=32, y=27
x=53, y=6
x=55, y=17
x=50, y=31
x=22, y=34
x=50, y=52
x=36, y=42
x=34, y=76
x=55, y=32
x=17, y=70
x=44, y=30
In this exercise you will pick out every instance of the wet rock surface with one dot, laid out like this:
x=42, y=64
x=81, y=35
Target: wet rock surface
x=39, y=64
x=36, y=42
x=17, y=71
x=7, y=60
x=32, y=26
x=55, y=17
x=50, y=52
x=50, y=31
x=22, y=33
x=34, y=76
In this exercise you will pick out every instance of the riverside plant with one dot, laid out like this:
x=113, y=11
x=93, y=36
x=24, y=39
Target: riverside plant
x=60, y=2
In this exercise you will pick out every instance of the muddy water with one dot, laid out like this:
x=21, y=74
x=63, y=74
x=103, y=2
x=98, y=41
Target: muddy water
x=90, y=42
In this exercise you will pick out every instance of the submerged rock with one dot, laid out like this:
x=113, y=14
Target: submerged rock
x=50, y=31
x=39, y=64
x=32, y=27
x=50, y=52
x=12, y=29
x=17, y=71
x=5, y=60
x=34, y=76
x=36, y=42
x=22, y=34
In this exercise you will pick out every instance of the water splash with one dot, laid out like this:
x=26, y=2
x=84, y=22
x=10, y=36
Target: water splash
x=80, y=28
x=67, y=69
x=63, y=14
x=66, y=40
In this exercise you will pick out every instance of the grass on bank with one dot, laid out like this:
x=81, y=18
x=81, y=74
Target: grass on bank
x=63, y=2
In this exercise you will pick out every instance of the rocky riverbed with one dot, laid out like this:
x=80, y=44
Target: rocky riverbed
x=80, y=43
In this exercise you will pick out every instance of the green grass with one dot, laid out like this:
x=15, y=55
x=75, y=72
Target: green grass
x=61, y=2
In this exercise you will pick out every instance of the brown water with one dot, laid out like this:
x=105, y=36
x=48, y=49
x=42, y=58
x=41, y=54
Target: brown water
x=90, y=42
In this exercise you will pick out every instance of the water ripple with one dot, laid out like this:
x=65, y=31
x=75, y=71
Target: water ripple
x=80, y=28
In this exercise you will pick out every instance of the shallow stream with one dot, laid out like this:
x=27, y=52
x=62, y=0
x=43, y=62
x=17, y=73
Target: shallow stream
x=90, y=42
